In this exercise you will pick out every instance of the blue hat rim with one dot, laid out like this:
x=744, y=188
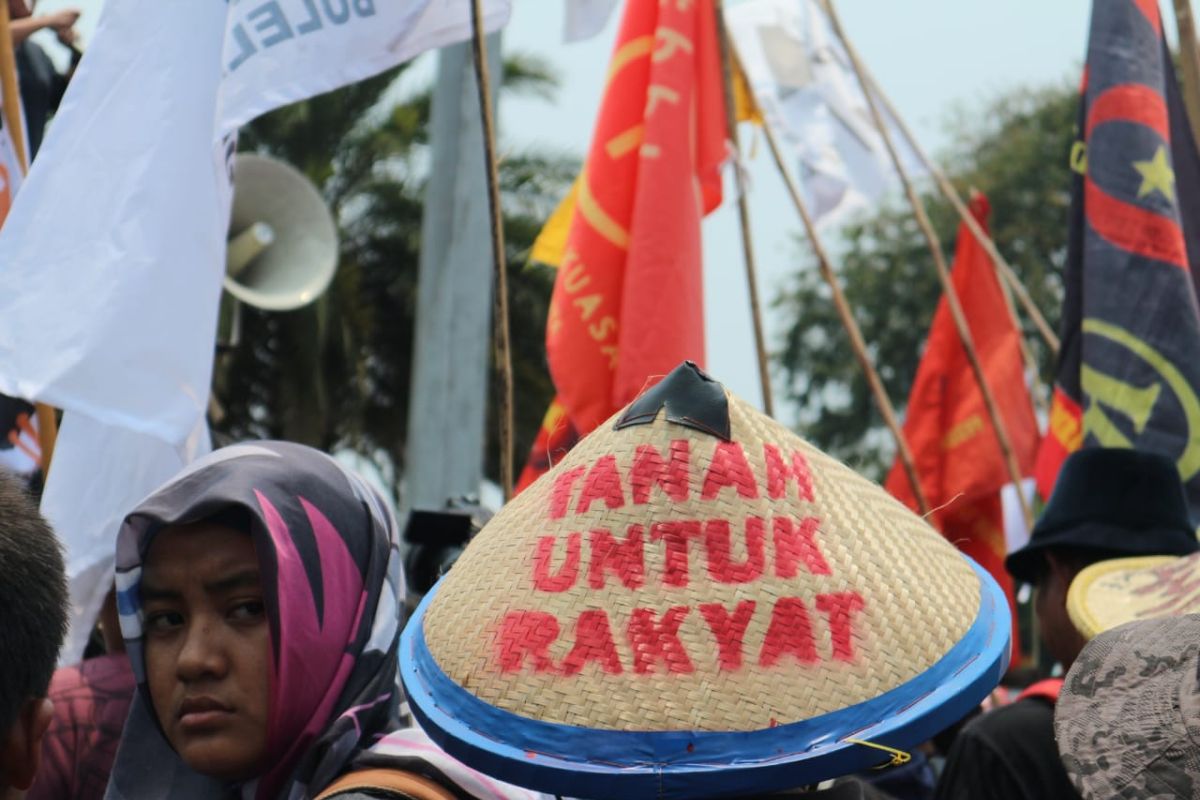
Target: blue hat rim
x=584, y=762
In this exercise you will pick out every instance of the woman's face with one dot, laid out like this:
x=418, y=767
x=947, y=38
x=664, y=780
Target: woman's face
x=207, y=645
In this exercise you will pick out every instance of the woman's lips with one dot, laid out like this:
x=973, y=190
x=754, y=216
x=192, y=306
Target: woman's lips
x=200, y=713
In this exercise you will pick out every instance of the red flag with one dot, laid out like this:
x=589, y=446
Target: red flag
x=957, y=455
x=1064, y=435
x=555, y=438
x=947, y=425
x=628, y=300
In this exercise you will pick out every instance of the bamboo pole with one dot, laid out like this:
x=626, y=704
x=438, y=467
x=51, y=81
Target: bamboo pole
x=760, y=344
x=503, y=349
x=10, y=97
x=939, y=260
x=1189, y=57
x=10, y=88
x=1001, y=264
x=886, y=410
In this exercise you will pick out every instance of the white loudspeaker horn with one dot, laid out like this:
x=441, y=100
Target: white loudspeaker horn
x=283, y=244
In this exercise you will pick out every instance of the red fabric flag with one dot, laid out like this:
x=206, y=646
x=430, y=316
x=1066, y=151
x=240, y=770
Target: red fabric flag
x=1064, y=435
x=555, y=438
x=628, y=299
x=947, y=425
x=958, y=457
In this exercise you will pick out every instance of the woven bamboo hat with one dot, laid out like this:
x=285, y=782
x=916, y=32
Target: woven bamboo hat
x=696, y=602
x=1111, y=593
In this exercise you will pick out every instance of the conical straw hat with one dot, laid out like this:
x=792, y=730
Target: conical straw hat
x=1111, y=593
x=696, y=602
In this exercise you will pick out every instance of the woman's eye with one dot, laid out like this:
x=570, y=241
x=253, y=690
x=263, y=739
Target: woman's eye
x=163, y=621
x=247, y=611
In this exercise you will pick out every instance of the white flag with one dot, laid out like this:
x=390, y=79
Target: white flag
x=100, y=474
x=1016, y=529
x=586, y=18
x=114, y=253
x=112, y=259
x=281, y=51
x=805, y=84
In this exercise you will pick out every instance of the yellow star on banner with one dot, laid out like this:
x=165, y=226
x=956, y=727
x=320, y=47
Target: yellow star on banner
x=1156, y=175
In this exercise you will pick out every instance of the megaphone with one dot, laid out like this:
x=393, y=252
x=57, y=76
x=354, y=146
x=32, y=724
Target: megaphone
x=283, y=244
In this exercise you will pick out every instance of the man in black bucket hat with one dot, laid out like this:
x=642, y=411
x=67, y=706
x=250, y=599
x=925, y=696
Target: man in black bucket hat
x=1107, y=503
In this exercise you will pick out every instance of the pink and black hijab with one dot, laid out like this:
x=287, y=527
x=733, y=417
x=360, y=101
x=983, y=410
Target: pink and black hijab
x=333, y=588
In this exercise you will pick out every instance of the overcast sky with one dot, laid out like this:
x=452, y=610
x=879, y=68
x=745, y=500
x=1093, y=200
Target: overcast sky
x=929, y=55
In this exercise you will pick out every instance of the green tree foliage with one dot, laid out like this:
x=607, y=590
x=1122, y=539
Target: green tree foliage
x=1015, y=150
x=336, y=373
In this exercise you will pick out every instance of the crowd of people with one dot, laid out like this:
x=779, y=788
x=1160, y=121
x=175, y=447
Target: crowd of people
x=260, y=600
x=252, y=643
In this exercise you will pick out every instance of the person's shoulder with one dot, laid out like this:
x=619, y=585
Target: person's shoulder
x=66, y=680
x=109, y=670
x=107, y=674
x=385, y=784
x=31, y=50
x=1015, y=722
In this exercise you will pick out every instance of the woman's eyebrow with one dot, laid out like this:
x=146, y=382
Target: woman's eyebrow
x=149, y=592
x=245, y=579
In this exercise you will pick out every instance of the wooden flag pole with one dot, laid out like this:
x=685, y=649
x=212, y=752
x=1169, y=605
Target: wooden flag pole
x=760, y=342
x=849, y=323
x=503, y=349
x=11, y=89
x=1002, y=266
x=1189, y=58
x=10, y=96
x=939, y=260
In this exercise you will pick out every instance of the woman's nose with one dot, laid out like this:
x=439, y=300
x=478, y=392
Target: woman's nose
x=202, y=653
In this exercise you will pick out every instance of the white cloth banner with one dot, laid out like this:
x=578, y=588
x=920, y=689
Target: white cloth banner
x=114, y=252
x=586, y=18
x=805, y=84
x=100, y=474
x=113, y=255
x=1016, y=531
x=281, y=51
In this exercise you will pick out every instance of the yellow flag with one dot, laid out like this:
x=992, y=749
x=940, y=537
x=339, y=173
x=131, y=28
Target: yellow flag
x=550, y=244
x=743, y=99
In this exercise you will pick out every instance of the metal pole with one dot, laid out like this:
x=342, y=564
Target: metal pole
x=448, y=406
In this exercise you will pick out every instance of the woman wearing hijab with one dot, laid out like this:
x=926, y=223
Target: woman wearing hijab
x=260, y=594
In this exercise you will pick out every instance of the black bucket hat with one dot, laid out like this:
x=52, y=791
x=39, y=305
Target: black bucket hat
x=1117, y=502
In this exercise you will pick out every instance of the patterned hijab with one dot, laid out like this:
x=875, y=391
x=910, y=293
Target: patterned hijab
x=333, y=587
